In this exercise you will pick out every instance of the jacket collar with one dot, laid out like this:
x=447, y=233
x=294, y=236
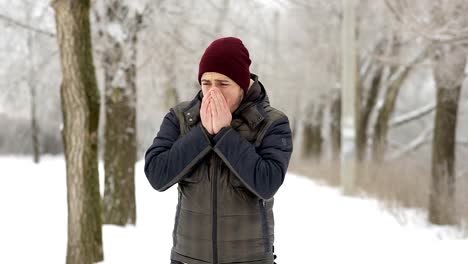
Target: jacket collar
x=250, y=109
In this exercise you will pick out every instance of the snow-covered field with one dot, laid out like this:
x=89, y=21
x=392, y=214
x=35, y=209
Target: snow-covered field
x=313, y=223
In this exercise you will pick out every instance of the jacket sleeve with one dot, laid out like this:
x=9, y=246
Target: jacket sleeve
x=170, y=158
x=261, y=170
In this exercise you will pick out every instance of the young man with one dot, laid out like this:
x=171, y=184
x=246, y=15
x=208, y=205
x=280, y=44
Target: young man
x=229, y=151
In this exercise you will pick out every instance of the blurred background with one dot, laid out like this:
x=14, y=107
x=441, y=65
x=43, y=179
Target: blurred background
x=380, y=85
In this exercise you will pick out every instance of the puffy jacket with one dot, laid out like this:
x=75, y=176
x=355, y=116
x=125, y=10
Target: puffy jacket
x=226, y=182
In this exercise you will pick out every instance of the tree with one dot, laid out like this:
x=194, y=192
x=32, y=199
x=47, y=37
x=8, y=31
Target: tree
x=335, y=125
x=350, y=97
x=30, y=80
x=119, y=24
x=393, y=84
x=449, y=68
x=443, y=25
x=313, y=138
x=80, y=107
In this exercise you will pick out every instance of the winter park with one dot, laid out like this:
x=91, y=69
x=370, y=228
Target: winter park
x=222, y=131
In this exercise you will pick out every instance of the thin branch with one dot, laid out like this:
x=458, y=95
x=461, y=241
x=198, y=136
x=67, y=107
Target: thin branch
x=418, y=142
x=395, y=77
x=12, y=21
x=440, y=35
x=412, y=115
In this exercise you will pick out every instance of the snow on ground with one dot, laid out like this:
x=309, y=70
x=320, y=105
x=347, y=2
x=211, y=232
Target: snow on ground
x=313, y=223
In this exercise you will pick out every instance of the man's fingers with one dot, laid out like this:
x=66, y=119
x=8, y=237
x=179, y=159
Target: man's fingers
x=217, y=102
x=206, y=96
x=220, y=100
x=223, y=107
x=224, y=103
x=213, y=108
x=209, y=112
x=205, y=101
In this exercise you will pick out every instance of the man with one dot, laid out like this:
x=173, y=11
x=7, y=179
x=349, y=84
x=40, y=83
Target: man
x=229, y=151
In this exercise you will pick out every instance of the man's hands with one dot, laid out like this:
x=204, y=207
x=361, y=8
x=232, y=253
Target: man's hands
x=221, y=115
x=205, y=113
x=214, y=111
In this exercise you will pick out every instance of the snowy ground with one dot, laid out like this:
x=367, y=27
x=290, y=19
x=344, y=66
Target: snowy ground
x=313, y=223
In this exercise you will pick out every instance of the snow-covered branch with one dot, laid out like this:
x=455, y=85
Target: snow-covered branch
x=412, y=115
x=424, y=138
x=434, y=31
x=396, y=76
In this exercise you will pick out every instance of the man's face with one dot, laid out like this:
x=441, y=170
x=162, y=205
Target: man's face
x=231, y=91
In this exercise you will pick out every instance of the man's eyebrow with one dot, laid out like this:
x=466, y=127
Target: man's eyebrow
x=216, y=80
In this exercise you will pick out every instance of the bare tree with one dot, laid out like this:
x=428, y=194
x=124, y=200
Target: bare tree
x=443, y=25
x=30, y=63
x=119, y=24
x=30, y=80
x=393, y=85
x=350, y=97
x=313, y=138
x=80, y=106
x=449, y=68
x=335, y=125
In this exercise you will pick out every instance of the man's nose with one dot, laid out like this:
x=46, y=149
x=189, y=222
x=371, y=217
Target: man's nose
x=212, y=88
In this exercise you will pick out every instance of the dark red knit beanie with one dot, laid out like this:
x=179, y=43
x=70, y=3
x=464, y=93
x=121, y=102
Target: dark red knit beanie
x=227, y=56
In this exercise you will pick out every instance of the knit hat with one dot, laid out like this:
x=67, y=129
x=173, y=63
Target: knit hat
x=227, y=56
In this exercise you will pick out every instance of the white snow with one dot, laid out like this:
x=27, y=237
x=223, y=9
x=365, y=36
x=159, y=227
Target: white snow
x=313, y=223
x=116, y=31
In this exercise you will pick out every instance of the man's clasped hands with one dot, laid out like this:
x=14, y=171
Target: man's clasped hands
x=214, y=111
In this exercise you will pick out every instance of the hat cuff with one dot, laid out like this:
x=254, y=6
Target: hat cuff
x=216, y=64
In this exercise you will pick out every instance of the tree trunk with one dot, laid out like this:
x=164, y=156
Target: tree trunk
x=32, y=91
x=119, y=63
x=350, y=97
x=383, y=117
x=381, y=127
x=171, y=66
x=221, y=20
x=448, y=74
x=370, y=102
x=34, y=125
x=313, y=133
x=294, y=125
x=335, y=126
x=80, y=107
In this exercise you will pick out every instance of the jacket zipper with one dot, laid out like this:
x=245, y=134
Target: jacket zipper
x=215, y=209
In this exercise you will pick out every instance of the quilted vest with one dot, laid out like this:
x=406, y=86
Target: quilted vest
x=218, y=219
